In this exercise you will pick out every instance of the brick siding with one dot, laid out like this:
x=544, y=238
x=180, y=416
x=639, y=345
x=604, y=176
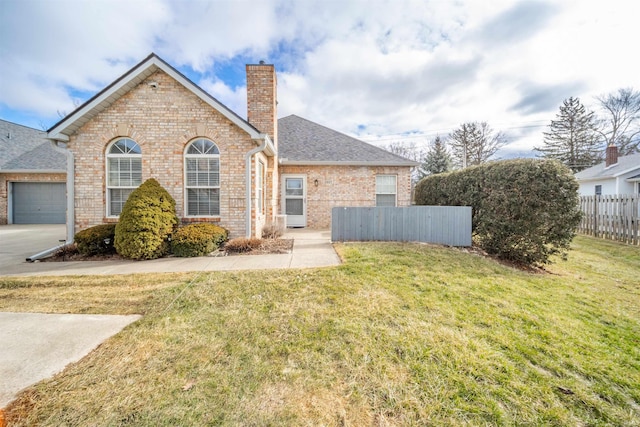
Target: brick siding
x=345, y=186
x=162, y=120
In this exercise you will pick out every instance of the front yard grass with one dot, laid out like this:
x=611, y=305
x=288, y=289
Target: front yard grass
x=400, y=334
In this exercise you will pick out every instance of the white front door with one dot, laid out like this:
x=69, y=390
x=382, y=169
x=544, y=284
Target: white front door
x=294, y=199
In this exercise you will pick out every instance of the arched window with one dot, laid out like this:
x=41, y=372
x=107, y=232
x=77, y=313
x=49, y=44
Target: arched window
x=124, y=173
x=202, y=180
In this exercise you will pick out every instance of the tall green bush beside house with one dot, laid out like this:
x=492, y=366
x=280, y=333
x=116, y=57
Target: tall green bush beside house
x=524, y=211
x=147, y=220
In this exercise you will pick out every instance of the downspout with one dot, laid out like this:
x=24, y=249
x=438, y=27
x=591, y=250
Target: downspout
x=248, y=157
x=70, y=204
x=71, y=216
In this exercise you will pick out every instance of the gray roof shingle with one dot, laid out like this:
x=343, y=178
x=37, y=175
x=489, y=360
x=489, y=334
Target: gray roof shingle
x=625, y=164
x=26, y=149
x=301, y=141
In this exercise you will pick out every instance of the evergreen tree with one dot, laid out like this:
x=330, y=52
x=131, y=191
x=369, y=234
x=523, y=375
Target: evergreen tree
x=474, y=143
x=437, y=159
x=571, y=137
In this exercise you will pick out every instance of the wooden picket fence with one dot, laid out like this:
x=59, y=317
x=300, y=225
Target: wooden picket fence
x=614, y=217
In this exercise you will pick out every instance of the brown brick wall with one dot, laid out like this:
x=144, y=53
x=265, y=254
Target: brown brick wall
x=162, y=120
x=6, y=178
x=345, y=186
x=261, y=99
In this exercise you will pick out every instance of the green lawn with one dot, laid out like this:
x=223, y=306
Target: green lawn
x=401, y=334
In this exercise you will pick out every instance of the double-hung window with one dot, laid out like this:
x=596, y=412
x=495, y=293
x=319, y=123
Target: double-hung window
x=124, y=173
x=385, y=190
x=202, y=178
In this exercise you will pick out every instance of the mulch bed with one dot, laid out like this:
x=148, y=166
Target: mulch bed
x=268, y=246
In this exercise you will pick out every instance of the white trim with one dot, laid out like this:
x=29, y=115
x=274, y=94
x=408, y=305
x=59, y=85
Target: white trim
x=186, y=156
x=108, y=156
x=395, y=189
x=103, y=100
x=283, y=189
x=39, y=171
x=286, y=162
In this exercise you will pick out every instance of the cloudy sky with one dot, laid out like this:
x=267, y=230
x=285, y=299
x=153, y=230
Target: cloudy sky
x=383, y=71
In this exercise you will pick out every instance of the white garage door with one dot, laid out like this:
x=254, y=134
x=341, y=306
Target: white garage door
x=38, y=202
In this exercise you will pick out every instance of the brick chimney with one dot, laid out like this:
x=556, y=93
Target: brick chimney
x=611, y=156
x=262, y=99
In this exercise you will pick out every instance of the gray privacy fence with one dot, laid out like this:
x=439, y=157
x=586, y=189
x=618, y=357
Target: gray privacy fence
x=446, y=225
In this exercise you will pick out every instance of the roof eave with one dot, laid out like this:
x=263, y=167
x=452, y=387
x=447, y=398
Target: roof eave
x=286, y=162
x=102, y=100
x=33, y=171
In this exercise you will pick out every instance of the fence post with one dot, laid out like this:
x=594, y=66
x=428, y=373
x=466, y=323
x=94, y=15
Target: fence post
x=595, y=216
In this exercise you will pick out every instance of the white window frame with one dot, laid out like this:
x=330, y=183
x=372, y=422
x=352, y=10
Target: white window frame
x=261, y=189
x=598, y=190
x=201, y=156
x=385, y=191
x=130, y=153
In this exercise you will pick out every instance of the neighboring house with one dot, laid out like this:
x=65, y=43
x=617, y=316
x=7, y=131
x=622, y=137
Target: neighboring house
x=616, y=175
x=153, y=122
x=32, y=177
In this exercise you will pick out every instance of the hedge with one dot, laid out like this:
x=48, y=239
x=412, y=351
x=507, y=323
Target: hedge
x=524, y=210
x=197, y=239
x=146, y=222
x=96, y=240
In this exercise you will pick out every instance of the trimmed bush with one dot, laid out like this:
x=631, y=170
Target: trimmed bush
x=524, y=211
x=197, y=239
x=147, y=220
x=243, y=244
x=97, y=240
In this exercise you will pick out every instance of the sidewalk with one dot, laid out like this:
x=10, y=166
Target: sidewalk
x=311, y=248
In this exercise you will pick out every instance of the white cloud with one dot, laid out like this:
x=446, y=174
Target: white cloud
x=370, y=68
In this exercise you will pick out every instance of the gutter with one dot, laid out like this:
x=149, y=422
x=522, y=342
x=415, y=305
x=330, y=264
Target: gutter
x=287, y=162
x=266, y=144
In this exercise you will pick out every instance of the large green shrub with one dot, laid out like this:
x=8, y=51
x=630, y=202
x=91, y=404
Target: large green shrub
x=147, y=220
x=524, y=211
x=197, y=239
x=96, y=240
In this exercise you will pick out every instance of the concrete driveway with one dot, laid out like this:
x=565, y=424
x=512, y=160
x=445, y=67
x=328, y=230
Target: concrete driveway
x=17, y=242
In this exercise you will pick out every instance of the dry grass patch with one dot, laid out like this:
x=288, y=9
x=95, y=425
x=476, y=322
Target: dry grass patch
x=401, y=334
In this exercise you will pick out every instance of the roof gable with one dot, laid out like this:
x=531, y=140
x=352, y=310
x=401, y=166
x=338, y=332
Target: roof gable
x=625, y=165
x=304, y=142
x=25, y=149
x=105, y=98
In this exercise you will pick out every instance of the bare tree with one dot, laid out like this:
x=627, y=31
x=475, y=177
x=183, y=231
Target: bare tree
x=621, y=126
x=474, y=143
x=408, y=150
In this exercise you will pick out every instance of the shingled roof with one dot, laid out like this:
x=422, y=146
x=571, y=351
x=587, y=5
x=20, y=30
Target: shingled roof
x=600, y=171
x=24, y=149
x=303, y=142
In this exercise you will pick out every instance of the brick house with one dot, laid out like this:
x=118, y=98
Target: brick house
x=155, y=122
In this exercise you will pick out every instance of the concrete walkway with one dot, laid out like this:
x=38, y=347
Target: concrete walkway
x=311, y=248
x=36, y=346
